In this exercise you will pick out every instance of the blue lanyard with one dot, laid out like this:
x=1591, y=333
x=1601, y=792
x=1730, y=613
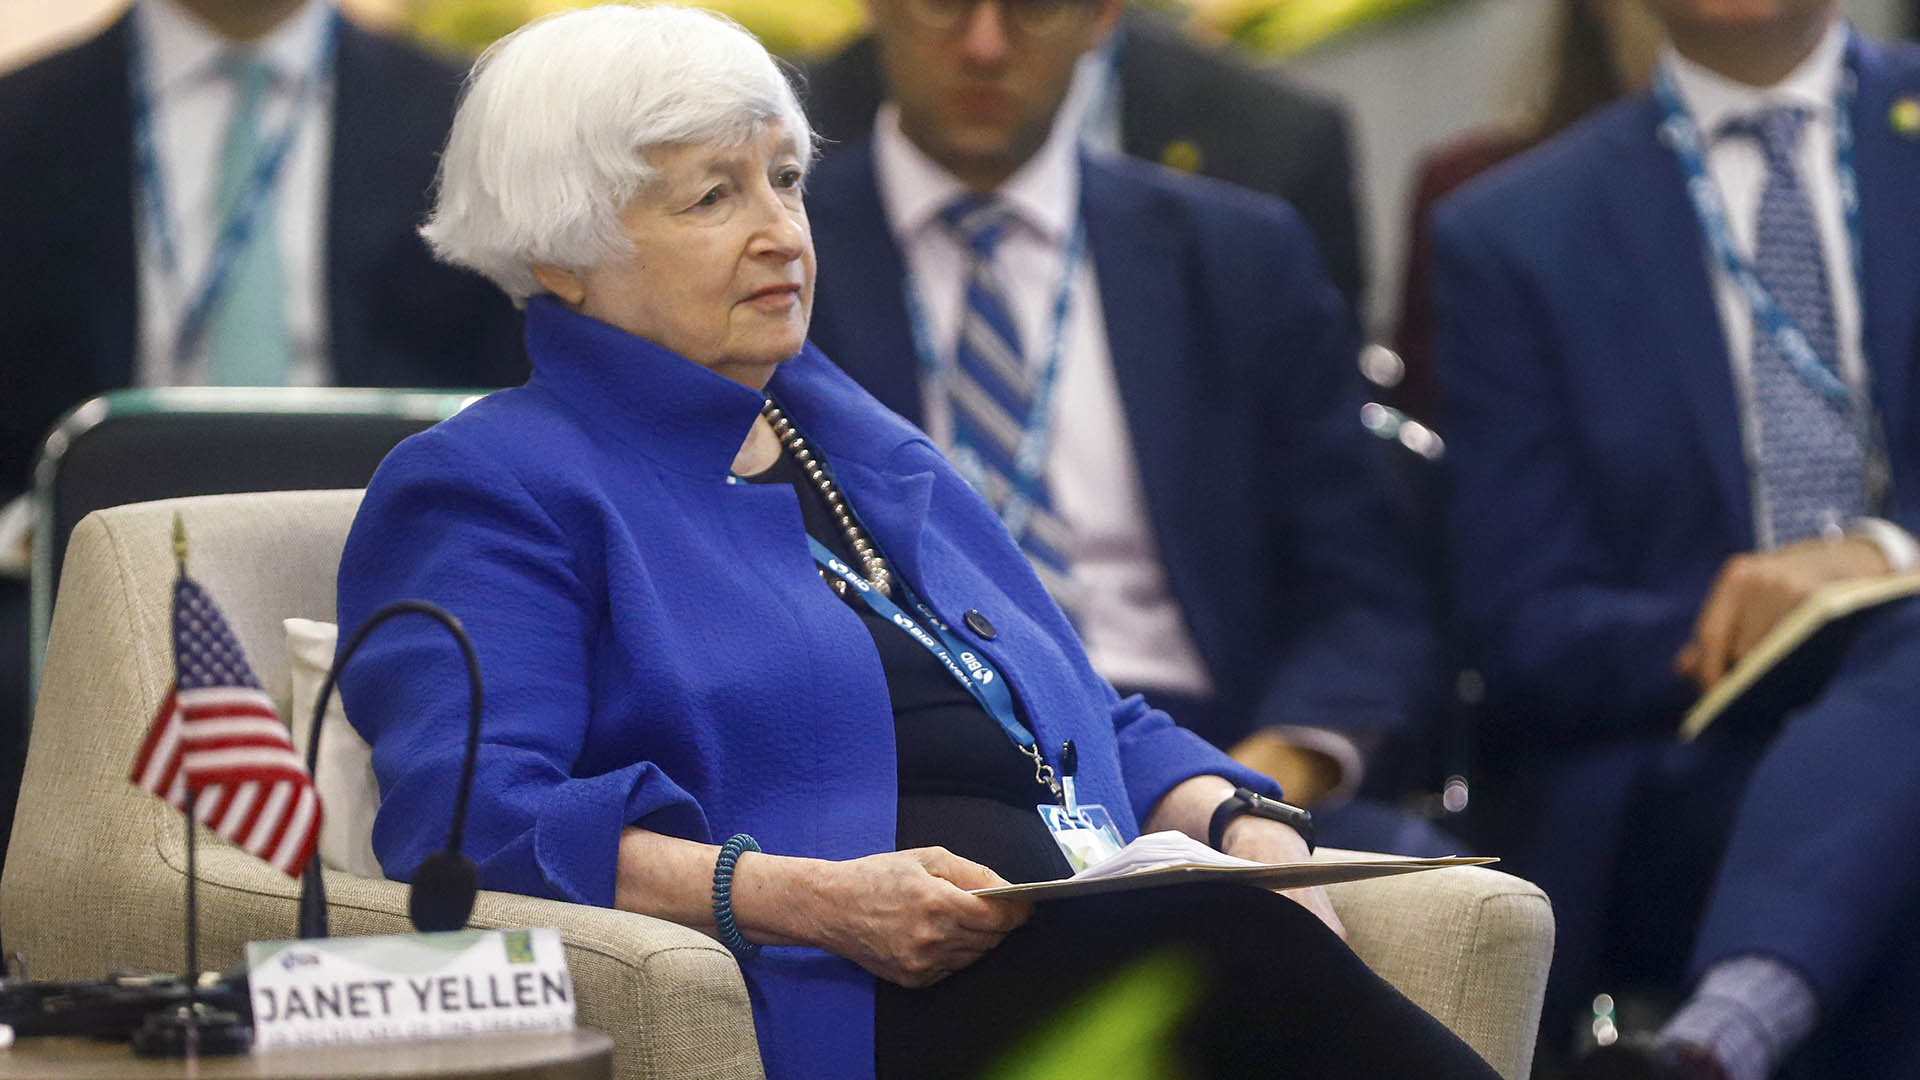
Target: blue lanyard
x=235, y=231
x=1032, y=455
x=1682, y=134
x=966, y=666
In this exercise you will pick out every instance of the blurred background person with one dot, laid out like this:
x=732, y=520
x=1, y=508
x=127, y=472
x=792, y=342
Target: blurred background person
x=1205, y=501
x=220, y=192
x=1678, y=365
x=1153, y=92
x=224, y=192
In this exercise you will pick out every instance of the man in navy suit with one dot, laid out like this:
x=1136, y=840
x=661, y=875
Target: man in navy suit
x=350, y=295
x=1201, y=108
x=1678, y=361
x=80, y=298
x=1206, y=503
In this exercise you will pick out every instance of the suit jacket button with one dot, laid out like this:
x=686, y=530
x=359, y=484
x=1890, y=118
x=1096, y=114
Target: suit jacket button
x=978, y=623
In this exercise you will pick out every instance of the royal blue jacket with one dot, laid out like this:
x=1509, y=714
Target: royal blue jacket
x=660, y=653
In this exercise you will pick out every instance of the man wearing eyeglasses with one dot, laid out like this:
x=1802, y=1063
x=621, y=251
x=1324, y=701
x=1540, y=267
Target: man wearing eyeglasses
x=1151, y=91
x=1151, y=379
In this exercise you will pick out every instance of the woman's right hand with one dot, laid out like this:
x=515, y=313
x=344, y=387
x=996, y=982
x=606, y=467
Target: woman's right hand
x=906, y=916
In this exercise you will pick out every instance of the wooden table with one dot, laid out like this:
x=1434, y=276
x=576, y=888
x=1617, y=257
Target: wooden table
x=569, y=1055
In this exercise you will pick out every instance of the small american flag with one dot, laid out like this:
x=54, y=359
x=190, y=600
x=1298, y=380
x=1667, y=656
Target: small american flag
x=217, y=734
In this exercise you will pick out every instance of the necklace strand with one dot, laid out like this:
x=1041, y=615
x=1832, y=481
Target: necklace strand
x=872, y=566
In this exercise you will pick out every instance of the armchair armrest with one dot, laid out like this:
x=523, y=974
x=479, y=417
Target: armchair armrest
x=1468, y=944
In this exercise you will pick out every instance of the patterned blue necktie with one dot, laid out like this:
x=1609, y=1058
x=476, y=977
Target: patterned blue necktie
x=1812, y=464
x=990, y=388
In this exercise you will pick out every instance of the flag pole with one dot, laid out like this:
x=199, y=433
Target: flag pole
x=193, y=932
x=189, y=1030
x=193, y=809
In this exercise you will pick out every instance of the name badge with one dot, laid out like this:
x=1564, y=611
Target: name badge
x=408, y=986
x=1086, y=834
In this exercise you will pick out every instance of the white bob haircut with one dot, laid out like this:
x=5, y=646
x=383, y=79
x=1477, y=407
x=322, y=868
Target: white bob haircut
x=550, y=140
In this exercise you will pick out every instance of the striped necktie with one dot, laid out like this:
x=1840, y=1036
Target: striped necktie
x=247, y=340
x=1812, y=465
x=990, y=388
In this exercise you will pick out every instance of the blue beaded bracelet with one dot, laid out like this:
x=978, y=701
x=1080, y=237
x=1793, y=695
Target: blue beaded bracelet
x=723, y=896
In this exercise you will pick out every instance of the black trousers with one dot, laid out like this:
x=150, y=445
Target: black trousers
x=1208, y=980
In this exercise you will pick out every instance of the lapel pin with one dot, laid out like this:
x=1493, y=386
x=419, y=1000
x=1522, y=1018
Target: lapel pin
x=1184, y=155
x=1905, y=117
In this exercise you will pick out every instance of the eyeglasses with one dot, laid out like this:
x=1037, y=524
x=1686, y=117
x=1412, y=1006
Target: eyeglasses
x=1029, y=18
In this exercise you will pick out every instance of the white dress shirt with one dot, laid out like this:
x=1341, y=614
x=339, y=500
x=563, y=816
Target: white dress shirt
x=1738, y=168
x=1129, y=621
x=1093, y=105
x=192, y=104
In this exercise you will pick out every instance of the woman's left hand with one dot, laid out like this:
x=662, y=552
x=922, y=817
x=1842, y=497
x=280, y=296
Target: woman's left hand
x=1188, y=807
x=1264, y=840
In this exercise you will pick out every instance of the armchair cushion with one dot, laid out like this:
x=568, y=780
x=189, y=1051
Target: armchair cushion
x=344, y=771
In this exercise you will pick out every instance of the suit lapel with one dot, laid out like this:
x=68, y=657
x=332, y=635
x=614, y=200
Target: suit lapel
x=103, y=156
x=863, y=447
x=1887, y=165
x=1664, y=266
x=351, y=230
x=1135, y=246
x=894, y=506
x=860, y=314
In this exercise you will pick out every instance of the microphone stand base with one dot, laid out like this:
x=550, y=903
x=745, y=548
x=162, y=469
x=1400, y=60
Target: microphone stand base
x=192, y=1031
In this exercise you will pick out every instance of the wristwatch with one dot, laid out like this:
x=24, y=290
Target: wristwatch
x=1244, y=801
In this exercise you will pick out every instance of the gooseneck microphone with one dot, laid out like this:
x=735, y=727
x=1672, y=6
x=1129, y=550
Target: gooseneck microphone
x=446, y=882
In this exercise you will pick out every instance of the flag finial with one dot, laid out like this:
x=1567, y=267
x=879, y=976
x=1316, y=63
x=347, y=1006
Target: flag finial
x=179, y=541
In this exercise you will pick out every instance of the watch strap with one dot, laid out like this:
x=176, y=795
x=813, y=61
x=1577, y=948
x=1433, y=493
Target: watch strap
x=1246, y=801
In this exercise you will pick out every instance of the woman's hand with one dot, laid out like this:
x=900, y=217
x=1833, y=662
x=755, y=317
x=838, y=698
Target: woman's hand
x=906, y=916
x=1188, y=806
x=1268, y=841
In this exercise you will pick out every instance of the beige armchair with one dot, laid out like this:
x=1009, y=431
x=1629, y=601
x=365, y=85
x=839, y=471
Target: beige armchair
x=94, y=872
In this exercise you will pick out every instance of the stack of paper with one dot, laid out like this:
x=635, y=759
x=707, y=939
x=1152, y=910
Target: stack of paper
x=1156, y=851
x=1168, y=858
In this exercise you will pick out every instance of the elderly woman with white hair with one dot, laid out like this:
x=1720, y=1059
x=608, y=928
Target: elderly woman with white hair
x=757, y=660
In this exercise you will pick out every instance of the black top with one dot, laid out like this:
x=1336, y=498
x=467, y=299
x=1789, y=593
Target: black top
x=963, y=784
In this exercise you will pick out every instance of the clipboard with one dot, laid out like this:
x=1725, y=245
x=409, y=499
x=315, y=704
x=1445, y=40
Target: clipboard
x=1294, y=875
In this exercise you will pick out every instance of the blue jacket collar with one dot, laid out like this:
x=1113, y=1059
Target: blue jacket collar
x=642, y=395
x=688, y=418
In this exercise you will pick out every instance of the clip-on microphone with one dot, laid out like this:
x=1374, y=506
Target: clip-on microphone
x=445, y=883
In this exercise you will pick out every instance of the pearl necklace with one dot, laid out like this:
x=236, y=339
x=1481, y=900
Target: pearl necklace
x=872, y=566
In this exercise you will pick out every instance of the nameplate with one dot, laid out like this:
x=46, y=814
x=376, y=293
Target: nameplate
x=408, y=986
